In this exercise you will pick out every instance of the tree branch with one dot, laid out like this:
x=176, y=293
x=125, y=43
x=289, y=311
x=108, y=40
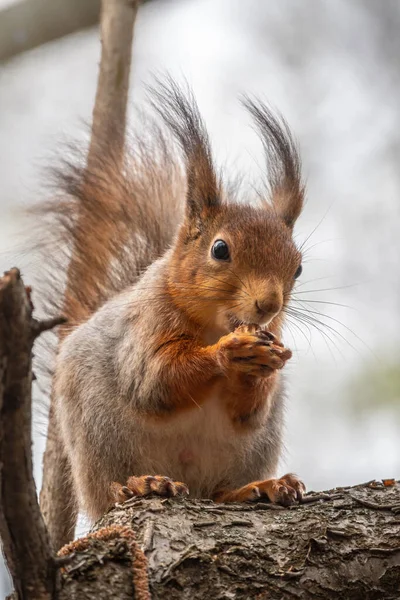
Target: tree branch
x=329, y=548
x=22, y=530
x=109, y=114
x=31, y=23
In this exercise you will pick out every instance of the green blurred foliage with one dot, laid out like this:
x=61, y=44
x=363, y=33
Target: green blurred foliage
x=376, y=386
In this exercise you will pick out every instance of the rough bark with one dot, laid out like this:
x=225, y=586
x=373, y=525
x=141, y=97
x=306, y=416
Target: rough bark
x=22, y=530
x=345, y=545
x=108, y=129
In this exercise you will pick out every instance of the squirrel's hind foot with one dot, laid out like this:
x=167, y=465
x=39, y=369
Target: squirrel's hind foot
x=146, y=485
x=285, y=491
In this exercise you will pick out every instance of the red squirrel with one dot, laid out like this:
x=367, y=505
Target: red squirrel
x=168, y=377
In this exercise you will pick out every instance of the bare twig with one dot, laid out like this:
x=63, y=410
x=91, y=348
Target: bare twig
x=39, y=327
x=109, y=114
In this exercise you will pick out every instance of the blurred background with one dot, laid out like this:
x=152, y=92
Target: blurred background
x=333, y=70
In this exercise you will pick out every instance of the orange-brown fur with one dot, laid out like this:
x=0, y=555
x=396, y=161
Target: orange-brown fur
x=284, y=491
x=172, y=368
x=200, y=370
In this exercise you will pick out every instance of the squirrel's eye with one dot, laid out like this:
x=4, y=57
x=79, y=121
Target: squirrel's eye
x=220, y=250
x=298, y=272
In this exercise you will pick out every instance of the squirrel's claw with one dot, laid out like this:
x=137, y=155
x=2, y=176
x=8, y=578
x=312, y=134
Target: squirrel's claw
x=256, y=353
x=146, y=485
x=284, y=491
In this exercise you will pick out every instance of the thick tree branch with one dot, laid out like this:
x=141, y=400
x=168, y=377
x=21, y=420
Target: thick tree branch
x=22, y=530
x=335, y=547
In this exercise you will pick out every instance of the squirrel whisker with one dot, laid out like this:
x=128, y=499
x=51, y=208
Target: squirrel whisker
x=220, y=280
x=321, y=302
x=315, y=228
x=303, y=283
x=291, y=321
x=240, y=281
x=342, y=287
x=308, y=315
x=317, y=312
x=325, y=336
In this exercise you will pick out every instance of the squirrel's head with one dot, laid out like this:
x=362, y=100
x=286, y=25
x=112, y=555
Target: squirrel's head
x=234, y=263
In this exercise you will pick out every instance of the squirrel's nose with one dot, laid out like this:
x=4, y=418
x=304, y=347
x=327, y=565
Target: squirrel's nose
x=268, y=307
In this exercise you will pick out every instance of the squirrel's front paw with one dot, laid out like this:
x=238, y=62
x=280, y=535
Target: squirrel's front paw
x=252, y=351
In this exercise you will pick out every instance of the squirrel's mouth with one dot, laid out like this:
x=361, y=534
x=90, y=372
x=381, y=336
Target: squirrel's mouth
x=234, y=323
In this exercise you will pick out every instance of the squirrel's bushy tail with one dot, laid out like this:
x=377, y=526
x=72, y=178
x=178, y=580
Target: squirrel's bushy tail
x=106, y=223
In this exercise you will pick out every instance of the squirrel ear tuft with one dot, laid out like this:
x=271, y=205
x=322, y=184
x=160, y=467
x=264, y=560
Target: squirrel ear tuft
x=180, y=112
x=285, y=183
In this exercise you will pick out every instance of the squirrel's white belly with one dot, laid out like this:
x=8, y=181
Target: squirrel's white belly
x=199, y=447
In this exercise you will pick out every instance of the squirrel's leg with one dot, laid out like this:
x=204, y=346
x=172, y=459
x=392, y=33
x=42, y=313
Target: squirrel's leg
x=148, y=484
x=286, y=491
x=58, y=501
